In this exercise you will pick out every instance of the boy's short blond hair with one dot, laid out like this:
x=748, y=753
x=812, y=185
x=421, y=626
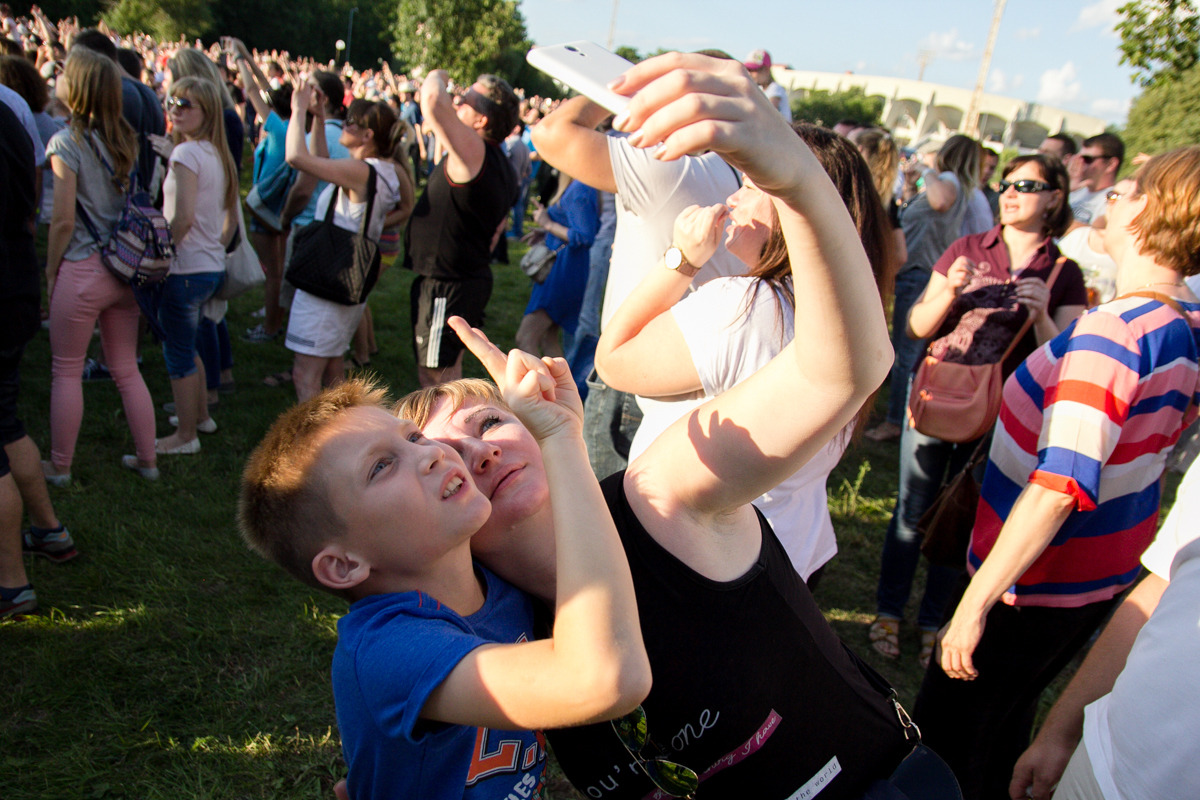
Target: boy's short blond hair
x=284, y=511
x=418, y=406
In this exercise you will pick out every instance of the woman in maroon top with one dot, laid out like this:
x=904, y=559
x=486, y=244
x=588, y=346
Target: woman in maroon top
x=982, y=290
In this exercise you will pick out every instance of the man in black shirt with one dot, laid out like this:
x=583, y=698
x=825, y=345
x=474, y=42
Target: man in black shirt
x=450, y=236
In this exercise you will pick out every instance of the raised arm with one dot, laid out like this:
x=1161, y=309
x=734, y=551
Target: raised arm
x=348, y=173
x=594, y=666
x=464, y=147
x=258, y=88
x=567, y=139
x=642, y=350
x=732, y=449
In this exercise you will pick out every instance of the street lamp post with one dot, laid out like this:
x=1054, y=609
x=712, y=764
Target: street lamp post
x=350, y=33
x=339, y=45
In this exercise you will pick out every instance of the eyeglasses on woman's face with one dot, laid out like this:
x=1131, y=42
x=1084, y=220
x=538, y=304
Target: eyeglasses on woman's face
x=1025, y=186
x=179, y=104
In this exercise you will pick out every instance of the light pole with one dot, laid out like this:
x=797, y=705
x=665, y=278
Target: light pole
x=350, y=33
x=339, y=45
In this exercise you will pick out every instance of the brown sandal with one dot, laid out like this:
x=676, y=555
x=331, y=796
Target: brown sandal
x=928, y=643
x=885, y=636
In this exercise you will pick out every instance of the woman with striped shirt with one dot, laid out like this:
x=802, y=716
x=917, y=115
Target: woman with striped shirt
x=1071, y=494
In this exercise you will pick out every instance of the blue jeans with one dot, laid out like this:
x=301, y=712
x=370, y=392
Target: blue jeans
x=909, y=286
x=582, y=354
x=610, y=419
x=179, y=314
x=925, y=463
x=212, y=343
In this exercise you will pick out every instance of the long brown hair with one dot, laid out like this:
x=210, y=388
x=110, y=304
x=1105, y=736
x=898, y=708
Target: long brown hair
x=94, y=97
x=207, y=97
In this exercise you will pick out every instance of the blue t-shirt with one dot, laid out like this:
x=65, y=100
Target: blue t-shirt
x=393, y=650
x=333, y=132
x=272, y=148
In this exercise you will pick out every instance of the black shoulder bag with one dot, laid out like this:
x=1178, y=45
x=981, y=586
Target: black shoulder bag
x=333, y=263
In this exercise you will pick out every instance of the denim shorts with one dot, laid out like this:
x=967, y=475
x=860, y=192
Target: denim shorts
x=179, y=314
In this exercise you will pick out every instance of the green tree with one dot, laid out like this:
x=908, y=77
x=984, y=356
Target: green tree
x=826, y=108
x=1160, y=39
x=164, y=19
x=464, y=37
x=628, y=53
x=1166, y=115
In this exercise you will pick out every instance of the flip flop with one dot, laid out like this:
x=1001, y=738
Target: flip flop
x=885, y=636
x=928, y=643
x=279, y=378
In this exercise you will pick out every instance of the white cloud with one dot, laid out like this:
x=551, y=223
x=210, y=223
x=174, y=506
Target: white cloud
x=1028, y=33
x=947, y=46
x=997, y=81
x=1059, y=86
x=1110, y=108
x=1101, y=14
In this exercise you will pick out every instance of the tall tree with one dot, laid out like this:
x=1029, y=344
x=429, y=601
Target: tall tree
x=166, y=20
x=1166, y=115
x=1160, y=39
x=464, y=37
x=826, y=108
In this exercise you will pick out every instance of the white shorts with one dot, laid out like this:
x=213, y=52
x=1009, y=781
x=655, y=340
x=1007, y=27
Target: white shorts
x=319, y=327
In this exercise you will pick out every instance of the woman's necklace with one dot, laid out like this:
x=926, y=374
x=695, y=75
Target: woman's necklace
x=1162, y=283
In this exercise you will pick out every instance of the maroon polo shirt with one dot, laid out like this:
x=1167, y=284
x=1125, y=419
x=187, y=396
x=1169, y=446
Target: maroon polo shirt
x=983, y=320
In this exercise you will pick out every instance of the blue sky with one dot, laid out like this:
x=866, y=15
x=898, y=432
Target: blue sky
x=1058, y=52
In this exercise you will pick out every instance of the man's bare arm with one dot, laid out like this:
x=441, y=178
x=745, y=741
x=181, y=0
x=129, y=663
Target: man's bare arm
x=567, y=139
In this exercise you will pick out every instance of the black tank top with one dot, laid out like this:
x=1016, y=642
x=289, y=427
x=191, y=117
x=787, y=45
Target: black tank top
x=450, y=232
x=752, y=688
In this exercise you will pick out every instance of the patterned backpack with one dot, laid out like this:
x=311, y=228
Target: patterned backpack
x=139, y=250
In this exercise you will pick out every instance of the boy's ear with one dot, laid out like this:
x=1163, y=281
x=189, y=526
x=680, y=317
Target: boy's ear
x=338, y=568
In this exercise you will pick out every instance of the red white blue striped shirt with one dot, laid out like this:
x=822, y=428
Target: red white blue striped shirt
x=1093, y=414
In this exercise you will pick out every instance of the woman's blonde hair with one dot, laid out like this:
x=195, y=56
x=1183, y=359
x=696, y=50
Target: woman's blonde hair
x=94, y=97
x=879, y=150
x=963, y=156
x=207, y=97
x=188, y=62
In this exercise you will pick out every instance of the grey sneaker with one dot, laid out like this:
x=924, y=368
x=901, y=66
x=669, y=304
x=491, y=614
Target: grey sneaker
x=93, y=370
x=258, y=334
x=58, y=546
x=15, y=602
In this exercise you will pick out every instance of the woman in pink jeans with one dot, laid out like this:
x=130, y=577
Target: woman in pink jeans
x=92, y=160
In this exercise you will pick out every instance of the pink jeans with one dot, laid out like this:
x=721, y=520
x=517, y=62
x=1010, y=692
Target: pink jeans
x=83, y=292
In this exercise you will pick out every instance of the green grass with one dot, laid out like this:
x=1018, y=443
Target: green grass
x=170, y=662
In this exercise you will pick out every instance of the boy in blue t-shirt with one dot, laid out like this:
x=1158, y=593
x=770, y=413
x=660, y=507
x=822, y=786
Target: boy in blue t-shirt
x=438, y=685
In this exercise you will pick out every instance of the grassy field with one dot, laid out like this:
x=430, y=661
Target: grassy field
x=170, y=662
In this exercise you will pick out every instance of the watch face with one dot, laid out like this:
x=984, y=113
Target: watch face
x=673, y=257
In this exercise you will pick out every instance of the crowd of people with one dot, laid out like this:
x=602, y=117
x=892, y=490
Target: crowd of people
x=630, y=522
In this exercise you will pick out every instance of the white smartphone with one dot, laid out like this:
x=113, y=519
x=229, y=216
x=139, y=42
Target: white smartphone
x=586, y=67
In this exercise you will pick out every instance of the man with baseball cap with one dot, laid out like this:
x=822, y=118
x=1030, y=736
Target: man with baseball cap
x=759, y=65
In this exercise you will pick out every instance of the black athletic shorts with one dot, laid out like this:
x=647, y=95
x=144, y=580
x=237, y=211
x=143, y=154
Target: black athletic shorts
x=11, y=428
x=432, y=303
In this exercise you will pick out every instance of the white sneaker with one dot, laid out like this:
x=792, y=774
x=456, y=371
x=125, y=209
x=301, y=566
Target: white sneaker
x=131, y=462
x=204, y=426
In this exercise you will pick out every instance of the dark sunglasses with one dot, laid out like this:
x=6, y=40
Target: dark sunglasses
x=182, y=103
x=1089, y=159
x=1025, y=186
x=675, y=779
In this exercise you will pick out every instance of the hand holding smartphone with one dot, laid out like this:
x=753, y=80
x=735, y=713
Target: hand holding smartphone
x=586, y=67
